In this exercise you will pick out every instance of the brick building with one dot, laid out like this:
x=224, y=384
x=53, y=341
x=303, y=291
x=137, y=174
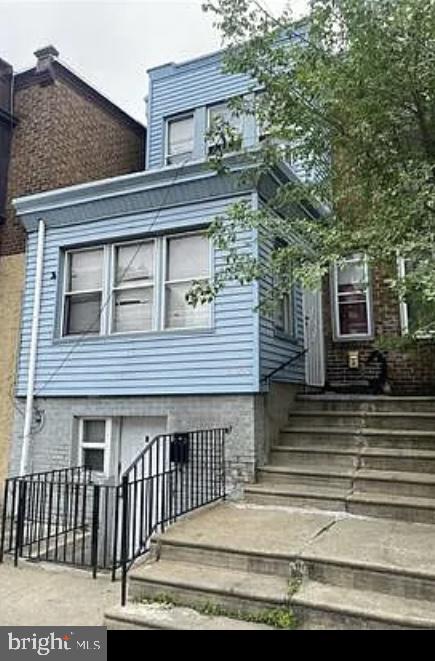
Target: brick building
x=55, y=130
x=361, y=315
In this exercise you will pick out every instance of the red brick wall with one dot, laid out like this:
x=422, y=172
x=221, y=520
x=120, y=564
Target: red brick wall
x=62, y=139
x=409, y=372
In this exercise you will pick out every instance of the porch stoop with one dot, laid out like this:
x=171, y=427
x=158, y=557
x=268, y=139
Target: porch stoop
x=325, y=570
x=372, y=456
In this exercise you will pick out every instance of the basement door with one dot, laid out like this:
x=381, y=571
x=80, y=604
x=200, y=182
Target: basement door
x=134, y=431
x=314, y=339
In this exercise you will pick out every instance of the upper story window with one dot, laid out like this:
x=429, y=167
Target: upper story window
x=179, y=142
x=226, y=127
x=83, y=292
x=352, y=307
x=284, y=320
x=181, y=273
x=133, y=287
x=137, y=286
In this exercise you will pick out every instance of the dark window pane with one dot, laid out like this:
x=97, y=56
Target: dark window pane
x=353, y=318
x=94, y=431
x=82, y=313
x=94, y=459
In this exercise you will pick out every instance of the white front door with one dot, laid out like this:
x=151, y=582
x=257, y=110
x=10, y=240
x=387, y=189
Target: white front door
x=314, y=340
x=134, y=431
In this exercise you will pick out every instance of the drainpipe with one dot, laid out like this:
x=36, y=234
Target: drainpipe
x=28, y=416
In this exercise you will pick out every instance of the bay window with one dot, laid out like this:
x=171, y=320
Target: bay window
x=133, y=298
x=187, y=261
x=351, y=298
x=83, y=292
x=179, y=139
x=133, y=287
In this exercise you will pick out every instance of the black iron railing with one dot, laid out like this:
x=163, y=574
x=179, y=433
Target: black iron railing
x=67, y=517
x=175, y=474
x=268, y=377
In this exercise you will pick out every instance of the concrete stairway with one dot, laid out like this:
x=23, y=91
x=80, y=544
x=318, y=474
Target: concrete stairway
x=371, y=456
x=329, y=572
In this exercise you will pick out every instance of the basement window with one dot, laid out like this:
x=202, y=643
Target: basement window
x=94, y=444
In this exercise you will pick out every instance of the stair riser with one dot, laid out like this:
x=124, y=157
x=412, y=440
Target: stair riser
x=399, y=513
x=232, y=561
x=331, y=505
x=301, y=458
x=303, y=439
x=127, y=625
x=189, y=596
x=408, y=587
x=392, y=405
x=310, y=618
x=363, y=422
x=395, y=488
x=398, y=464
x=264, y=477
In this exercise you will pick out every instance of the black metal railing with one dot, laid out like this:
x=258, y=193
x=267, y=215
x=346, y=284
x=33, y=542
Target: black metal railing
x=66, y=516
x=175, y=474
x=268, y=377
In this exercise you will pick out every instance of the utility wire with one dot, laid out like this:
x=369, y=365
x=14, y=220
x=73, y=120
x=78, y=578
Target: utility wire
x=109, y=298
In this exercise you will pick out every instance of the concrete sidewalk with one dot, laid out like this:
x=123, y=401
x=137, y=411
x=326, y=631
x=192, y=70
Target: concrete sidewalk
x=48, y=595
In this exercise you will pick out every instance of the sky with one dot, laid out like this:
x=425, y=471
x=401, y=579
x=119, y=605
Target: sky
x=111, y=44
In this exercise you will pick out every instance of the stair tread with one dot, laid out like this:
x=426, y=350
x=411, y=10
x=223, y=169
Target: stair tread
x=300, y=469
x=406, y=453
x=306, y=413
x=391, y=499
x=366, y=604
x=334, y=397
x=395, y=476
x=297, y=490
x=353, y=431
x=161, y=616
x=261, y=587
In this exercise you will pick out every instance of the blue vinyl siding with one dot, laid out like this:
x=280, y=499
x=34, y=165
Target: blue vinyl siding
x=219, y=360
x=276, y=348
x=190, y=87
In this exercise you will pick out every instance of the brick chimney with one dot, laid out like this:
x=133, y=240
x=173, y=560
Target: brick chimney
x=45, y=57
x=6, y=127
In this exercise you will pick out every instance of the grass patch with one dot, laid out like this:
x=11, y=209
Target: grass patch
x=279, y=618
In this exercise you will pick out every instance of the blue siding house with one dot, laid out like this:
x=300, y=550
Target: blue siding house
x=110, y=350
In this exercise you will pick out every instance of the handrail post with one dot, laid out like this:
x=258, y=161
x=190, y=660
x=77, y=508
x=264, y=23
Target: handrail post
x=124, y=539
x=4, y=517
x=95, y=528
x=20, y=521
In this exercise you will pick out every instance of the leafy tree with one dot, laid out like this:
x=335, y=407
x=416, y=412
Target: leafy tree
x=349, y=95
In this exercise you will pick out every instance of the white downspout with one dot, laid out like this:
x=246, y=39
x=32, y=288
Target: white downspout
x=28, y=416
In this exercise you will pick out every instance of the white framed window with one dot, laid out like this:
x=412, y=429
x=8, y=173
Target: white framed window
x=413, y=315
x=83, y=292
x=219, y=115
x=94, y=444
x=179, y=139
x=187, y=260
x=352, y=299
x=284, y=318
x=133, y=287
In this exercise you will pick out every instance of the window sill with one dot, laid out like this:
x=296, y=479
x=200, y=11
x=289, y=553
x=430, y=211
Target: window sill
x=136, y=335
x=353, y=338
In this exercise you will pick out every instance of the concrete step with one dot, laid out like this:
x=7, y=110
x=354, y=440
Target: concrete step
x=335, y=402
x=297, y=495
x=335, y=457
x=398, y=459
x=399, y=483
x=300, y=437
x=419, y=420
x=187, y=584
x=321, y=476
x=155, y=616
x=388, y=506
x=321, y=606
